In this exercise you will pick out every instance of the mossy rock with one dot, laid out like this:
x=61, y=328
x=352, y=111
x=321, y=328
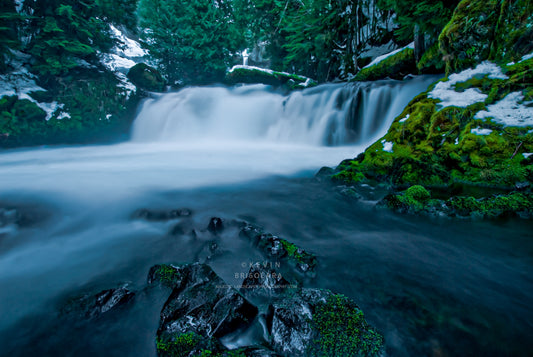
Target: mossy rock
x=253, y=75
x=146, y=77
x=396, y=66
x=487, y=29
x=431, y=61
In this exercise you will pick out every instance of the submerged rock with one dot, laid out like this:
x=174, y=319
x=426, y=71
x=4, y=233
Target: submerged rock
x=215, y=225
x=92, y=306
x=160, y=215
x=201, y=308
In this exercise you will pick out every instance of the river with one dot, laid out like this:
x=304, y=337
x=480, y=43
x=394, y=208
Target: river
x=435, y=287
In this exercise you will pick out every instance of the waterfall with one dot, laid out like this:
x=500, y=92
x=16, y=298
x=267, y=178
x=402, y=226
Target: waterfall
x=327, y=115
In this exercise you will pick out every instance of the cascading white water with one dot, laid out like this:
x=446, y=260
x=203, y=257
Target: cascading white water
x=334, y=114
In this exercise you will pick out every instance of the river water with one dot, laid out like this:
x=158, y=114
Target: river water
x=435, y=287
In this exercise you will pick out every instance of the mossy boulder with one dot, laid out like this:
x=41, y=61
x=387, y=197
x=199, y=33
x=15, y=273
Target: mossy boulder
x=487, y=29
x=252, y=75
x=146, y=77
x=396, y=66
x=317, y=322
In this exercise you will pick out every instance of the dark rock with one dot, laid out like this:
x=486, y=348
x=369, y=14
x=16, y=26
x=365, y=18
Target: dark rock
x=279, y=248
x=215, y=225
x=522, y=185
x=258, y=351
x=264, y=281
x=91, y=306
x=146, y=77
x=160, y=215
x=317, y=322
x=201, y=303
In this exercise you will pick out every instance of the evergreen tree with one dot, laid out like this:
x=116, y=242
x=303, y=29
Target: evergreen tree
x=9, y=23
x=64, y=34
x=194, y=41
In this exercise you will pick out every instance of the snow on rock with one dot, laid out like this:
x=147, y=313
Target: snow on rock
x=18, y=5
x=527, y=154
x=526, y=57
x=445, y=91
x=385, y=56
x=404, y=119
x=480, y=131
x=20, y=83
x=130, y=48
x=265, y=70
x=509, y=111
x=116, y=63
x=387, y=145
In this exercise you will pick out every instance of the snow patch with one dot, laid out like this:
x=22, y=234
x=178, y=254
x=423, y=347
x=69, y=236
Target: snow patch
x=509, y=111
x=18, y=5
x=527, y=154
x=116, y=63
x=130, y=48
x=404, y=119
x=387, y=145
x=20, y=83
x=387, y=55
x=457, y=141
x=480, y=131
x=445, y=91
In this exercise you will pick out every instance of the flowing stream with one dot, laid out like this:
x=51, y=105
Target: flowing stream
x=432, y=287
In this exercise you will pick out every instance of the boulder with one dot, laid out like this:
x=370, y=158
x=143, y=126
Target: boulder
x=146, y=77
x=215, y=225
x=200, y=309
x=317, y=322
x=264, y=281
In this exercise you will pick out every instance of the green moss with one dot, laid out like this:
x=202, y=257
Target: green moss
x=298, y=255
x=146, y=77
x=166, y=274
x=431, y=61
x=342, y=330
x=180, y=345
x=396, y=66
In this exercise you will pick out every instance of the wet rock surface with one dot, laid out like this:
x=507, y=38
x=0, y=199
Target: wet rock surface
x=92, y=306
x=201, y=302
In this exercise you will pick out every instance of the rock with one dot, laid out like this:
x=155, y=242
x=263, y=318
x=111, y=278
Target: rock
x=160, y=215
x=264, y=281
x=279, y=248
x=146, y=77
x=396, y=66
x=215, y=225
x=92, y=306
x=250, y=74
x=201, y=303
x=317, y=322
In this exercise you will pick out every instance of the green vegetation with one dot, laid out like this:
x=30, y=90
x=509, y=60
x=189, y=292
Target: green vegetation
x=192, y=344
x=342, y=330
x=396, y=66
x=192, y=40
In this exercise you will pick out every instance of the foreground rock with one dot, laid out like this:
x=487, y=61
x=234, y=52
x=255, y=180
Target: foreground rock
x=317, y=322
x=200, y=309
